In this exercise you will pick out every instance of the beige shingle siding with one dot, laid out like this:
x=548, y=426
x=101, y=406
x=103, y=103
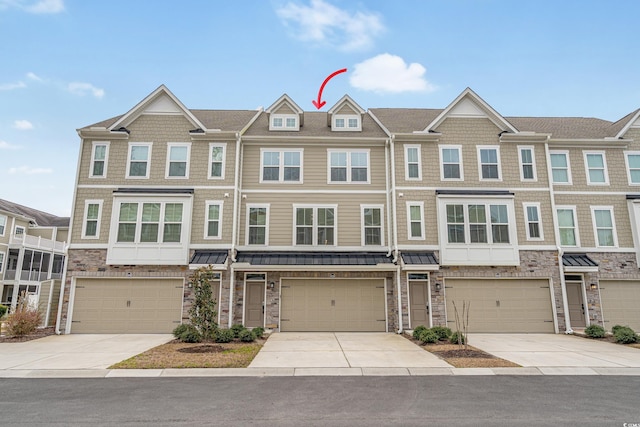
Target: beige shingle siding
x=199, y=218
x=82, y=195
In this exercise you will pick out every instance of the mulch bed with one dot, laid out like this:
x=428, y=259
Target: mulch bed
x=40, y=333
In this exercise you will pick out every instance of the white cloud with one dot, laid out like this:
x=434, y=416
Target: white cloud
x=38, y=7
x=324, y=23
x=81, y=89
x=12, y=86
x=23, y=125
x=390, y=74
x=33, y=76
x=4, y=145
x=26, y=170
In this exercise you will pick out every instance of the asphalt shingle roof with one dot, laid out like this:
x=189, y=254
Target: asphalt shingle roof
x=41, y=218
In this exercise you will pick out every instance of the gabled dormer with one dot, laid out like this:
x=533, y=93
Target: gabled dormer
x=345, y=116
x=285, y=115
x=469, y=105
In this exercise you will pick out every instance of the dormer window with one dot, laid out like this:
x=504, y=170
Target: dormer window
x=283, y=122
x=346, y=123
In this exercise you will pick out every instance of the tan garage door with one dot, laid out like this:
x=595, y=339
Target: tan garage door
x=349, y=305
x=111, y=306
x=620, y=303
x=507, y=305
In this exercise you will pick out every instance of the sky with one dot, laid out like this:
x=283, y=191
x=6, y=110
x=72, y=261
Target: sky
x=65, y=64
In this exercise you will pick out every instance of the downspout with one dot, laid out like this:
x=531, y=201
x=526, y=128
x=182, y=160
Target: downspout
x=234, y=231
x=396, y=259
x=556, y=232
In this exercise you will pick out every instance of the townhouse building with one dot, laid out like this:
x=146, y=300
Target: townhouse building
x=354, y=219
x=32, y=253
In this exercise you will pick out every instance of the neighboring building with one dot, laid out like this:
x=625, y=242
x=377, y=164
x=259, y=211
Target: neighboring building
x=32, y=253
x=354, y=220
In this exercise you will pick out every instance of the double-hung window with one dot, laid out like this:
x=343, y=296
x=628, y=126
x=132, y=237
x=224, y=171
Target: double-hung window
x=150, y=222
x=451, y=163
x=560, y=168
x=257, y=223
x=139, y=158
x=348, y=166
x=596, y=166
x=99, y=157
x=415, y=220
x=473, y=223
x=315, y=225
x=633, y=167
x=372, y=226
x=567, y=226
x=213, y=224
x=489, y=163
x=92, y=213
x=532, y=221
x=1, y=261
x=216, y=160
x=413, y=169
x=3, y=224
x=178, y=160
x=527, y=164
x=604, y=226
x=281, y=166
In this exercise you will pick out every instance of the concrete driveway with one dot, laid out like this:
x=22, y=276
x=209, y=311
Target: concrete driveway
x=549, y=350
x=343, y=350
x=76, y=351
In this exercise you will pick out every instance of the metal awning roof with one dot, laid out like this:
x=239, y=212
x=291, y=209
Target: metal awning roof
x=578, y=262
x=208, y=257
x=423, y=258
x=314, y=258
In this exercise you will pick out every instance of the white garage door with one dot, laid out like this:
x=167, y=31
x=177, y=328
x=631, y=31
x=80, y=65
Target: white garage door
x=110, y=306
x=620, y=303
x=510, y=306
x=354, y=305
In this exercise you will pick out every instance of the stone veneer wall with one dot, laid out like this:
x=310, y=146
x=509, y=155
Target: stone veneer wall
x=272, y=303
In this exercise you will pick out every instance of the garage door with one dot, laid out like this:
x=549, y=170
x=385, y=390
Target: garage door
x=355, y=305
x=510, y=306
x=620, y=303
x=127, y=306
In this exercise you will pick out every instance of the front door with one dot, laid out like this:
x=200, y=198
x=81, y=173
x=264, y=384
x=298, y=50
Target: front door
x=419, y=300
x=254, y=307
x=576, y=304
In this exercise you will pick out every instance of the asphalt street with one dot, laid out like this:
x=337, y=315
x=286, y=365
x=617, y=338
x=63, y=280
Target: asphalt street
x=324, y=401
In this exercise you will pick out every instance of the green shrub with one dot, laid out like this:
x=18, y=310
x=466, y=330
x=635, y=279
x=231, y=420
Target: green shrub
x=615, y=328
x=442, y=332
x=258, y=332
x=180, y=329
x=190, y=334
x=224, y=335
x=594, y=331
x=625, y=335
x=24, y=320
x=3, y=310
x=418, y=330
x=427, y=336
x=457, y=338
x=237, y=329
x=246, y=335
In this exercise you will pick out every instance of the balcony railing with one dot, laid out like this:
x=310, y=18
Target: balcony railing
x=36, y=242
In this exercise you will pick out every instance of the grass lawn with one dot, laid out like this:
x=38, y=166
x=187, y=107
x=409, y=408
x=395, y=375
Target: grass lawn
x=177, y=354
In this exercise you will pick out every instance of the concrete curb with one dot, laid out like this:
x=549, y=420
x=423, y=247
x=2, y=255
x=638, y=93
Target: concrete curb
x=301, y=372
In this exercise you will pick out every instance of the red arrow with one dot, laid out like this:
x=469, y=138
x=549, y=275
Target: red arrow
x=319, y=103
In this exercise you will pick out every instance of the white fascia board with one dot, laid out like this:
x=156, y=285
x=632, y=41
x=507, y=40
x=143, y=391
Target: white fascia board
x=630, y=123
x=284, y=99
x=346, y=100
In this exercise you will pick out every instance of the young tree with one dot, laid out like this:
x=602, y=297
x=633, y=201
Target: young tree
x=203, y=312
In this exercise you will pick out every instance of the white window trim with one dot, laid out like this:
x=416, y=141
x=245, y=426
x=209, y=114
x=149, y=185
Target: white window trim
x=362, y=235
x=281, y=165
x=213, y=145
x=4, y=227
x=406, y=162
x=575, y=225
x=533, y=163
x=595, y=227
x=346, y=127
x=208, y=203
x=188, y=161
x=19, y=227
x=569, y=178
x=284, y=118
x=422, y=228
x=457, y=147
x=315, y=225
x=348, y=152
x=106, y=159
x=266, y=225
x=99, y=219
x=626, y=161
x=525, y=205
x=604, y=165
x=137, y=144
x=499, y=163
